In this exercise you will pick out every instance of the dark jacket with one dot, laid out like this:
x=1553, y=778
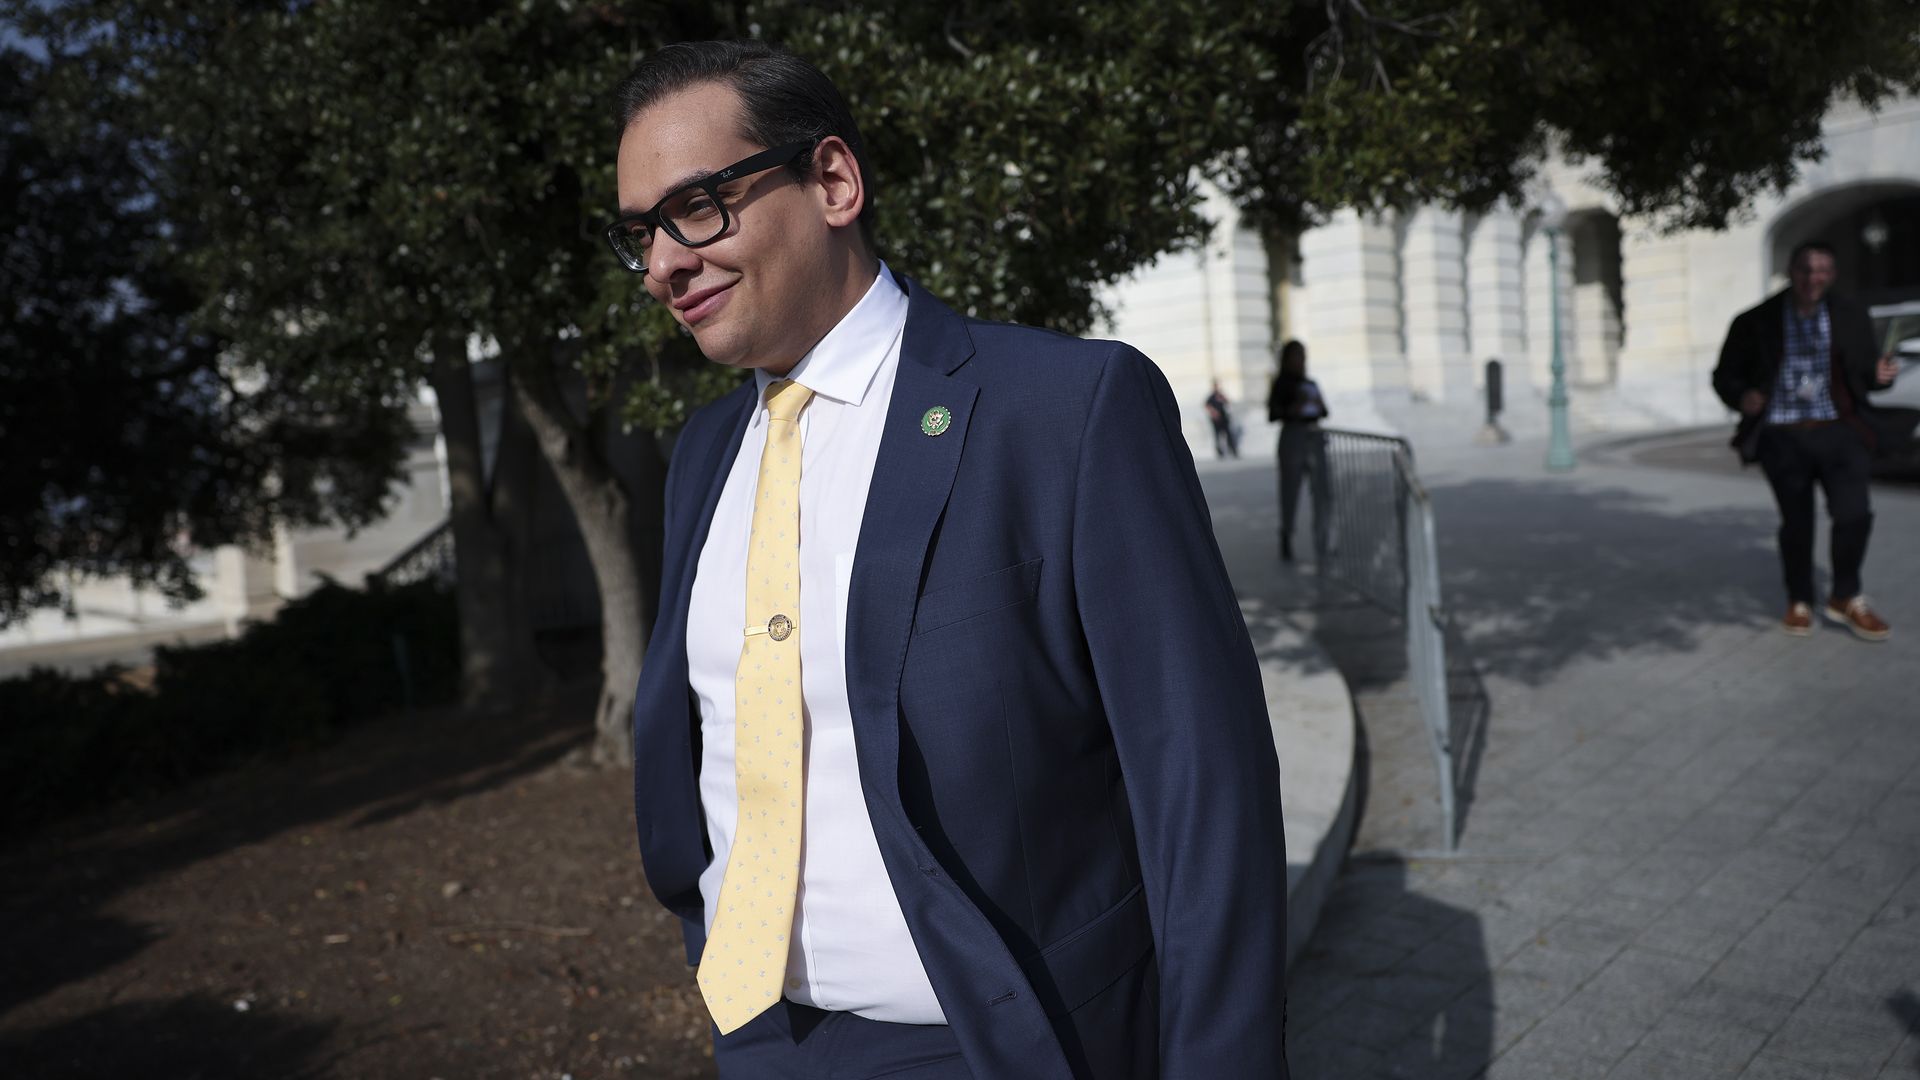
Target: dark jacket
x=1756, y=346
x=1295, y=401
x=1062, y=732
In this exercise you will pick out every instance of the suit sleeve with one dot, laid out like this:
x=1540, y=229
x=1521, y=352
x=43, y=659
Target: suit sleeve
x=1182, y=692
x=1732, y=375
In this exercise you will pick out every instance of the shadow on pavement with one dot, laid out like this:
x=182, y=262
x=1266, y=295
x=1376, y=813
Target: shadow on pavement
x=1905, y=1007
x=1392, y=984
x=1470, y=713
x=1539, y=575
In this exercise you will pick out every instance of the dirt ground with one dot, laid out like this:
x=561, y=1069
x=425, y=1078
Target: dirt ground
x=436, y=895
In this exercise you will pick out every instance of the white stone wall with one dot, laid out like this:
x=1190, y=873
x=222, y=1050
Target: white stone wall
x=1496, y=300
x=114, y=621
x=1657, y=361
x=304, y=557
x=1202, y=315
x=1398, y=308
x=1433, y=271
x=1683, y=290
x=1350, y=316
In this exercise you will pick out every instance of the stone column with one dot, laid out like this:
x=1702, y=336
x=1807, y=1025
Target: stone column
x=242, y=587
x=1433, y=274
x=1658, y=364
x=1161, y=310
x=1240, y=320
x=1497, y=299
x=1351, y=326
x=289, y=564
x=1592, y=360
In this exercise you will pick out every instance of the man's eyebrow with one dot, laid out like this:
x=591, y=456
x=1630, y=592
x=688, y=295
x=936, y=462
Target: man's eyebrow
x=685, y=181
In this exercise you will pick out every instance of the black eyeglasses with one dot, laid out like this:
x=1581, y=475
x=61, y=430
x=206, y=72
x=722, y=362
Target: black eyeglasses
x=695, y=214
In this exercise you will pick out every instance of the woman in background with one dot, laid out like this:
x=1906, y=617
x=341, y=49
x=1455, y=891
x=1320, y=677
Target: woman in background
x=1295, y=403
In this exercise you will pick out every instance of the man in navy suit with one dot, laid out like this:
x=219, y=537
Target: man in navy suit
x=1041, y=829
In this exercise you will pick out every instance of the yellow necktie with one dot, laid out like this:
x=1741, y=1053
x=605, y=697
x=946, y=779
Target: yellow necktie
x=745, y=958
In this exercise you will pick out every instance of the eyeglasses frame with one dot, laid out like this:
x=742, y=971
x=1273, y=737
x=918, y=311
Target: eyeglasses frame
x=771, y=158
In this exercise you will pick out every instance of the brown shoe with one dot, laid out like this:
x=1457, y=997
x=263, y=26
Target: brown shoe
x=1799, y=620
x=1854, y=614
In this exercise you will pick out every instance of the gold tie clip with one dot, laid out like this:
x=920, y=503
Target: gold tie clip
x=779, y=628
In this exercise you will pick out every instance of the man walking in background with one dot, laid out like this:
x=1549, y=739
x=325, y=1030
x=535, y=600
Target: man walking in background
x=950, y=747
x=1226, y=441
x=1798, y=368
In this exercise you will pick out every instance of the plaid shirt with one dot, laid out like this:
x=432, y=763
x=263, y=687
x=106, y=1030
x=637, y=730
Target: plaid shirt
x=1804, y=388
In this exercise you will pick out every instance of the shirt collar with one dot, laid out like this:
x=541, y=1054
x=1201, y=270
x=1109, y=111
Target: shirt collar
x=1794, y=316
x=842, y=365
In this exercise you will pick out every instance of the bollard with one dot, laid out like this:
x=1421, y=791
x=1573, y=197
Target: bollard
x=1492, y=433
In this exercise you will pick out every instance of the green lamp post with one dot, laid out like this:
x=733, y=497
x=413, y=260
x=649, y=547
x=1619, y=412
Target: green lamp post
x=1553, y=218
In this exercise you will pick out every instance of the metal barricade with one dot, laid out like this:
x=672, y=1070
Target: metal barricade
x=1381, y=545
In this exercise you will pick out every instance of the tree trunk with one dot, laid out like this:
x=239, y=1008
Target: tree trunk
x=496, y=650
x=1282, y=266
x=517, y=471
x=603, y=508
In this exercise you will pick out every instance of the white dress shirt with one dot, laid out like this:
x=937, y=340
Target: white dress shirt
x=850, y=949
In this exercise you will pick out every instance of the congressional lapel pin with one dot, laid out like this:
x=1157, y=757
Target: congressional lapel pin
x=936, y=420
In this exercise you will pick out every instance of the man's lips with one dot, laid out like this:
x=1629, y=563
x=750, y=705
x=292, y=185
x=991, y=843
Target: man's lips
x=699, y=304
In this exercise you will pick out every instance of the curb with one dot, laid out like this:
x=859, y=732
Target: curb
x=1315, y=736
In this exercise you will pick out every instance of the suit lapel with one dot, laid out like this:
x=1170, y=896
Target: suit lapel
x=912, y=480
x=720, y=459
x=666, y=753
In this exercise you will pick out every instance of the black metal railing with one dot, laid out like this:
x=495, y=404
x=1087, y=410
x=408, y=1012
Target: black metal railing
x=429, y=558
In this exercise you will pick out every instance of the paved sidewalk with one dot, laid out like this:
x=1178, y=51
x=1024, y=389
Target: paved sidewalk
x=1690, y=843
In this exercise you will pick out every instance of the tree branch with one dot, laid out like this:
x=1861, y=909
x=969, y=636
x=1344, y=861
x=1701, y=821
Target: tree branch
x=953, y=42
x=1331, y=45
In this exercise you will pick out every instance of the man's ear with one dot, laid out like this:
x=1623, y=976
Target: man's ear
x=843, y=191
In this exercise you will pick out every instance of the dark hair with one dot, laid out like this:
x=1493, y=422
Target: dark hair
x=783, y=99
x=1291, y=350
x=1809, y=247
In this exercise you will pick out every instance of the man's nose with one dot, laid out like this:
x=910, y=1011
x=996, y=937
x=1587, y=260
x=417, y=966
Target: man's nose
x=667, y=256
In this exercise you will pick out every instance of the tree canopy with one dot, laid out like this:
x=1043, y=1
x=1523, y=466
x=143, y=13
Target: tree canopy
x=128, y=436
x=321, y=204
x=1685, y=112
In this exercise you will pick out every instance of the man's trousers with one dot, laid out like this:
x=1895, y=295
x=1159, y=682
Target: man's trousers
x=791, y=1041
x=1832, y=454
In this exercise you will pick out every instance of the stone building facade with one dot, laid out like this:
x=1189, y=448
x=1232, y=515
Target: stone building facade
x=1402, y=310
x=1399, y=312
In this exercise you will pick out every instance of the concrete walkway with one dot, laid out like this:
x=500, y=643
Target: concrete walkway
x=1690, y=844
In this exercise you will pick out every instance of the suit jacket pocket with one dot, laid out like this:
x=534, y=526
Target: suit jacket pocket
x=950, y=604
x=1069, y=972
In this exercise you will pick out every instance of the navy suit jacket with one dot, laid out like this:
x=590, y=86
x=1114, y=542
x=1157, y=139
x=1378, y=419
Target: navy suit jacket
x=1061, y=732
